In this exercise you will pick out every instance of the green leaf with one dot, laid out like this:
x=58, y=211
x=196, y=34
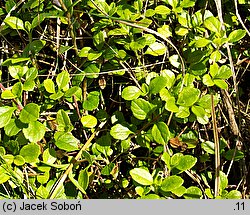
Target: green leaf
x=188, y=96
x=7, y=94
x=35, y=131
x=49, y=86
x=236, y=35
x=224, y=72
x=183, y=112
x=207, y=80
x=179, y=191
x=221, y=84
x=45, y=174
x=17, y=71
x=157, y=84
x=30, y=152
x=13, y=127
x=17, y=89
x=201, y=42
x=181, y=31
x=29, y=113
x=19, y=160
x=63, y=121
x=5, y=115
x=92, y=71
x=165, y=31
x=166, y=158
x=83, y=178
x=14, y=23
x=141, y=108
x=213, y=24
x=223, y=181
x=156, y=49
x=131, y=93
x=175, y=60
x=170, y=77
x=42, y=192
x=89, y=121
x=161, y=133
x=84, y=52
x=141, y=176
x=4, y=175
x=34, y=47
x=235, y=155
x=234, y=194
x=208, y=147
x=56, y=96
x=49, y=156
x=171, y=183
x=193, y=193
x=62, y=79
x=66, y=141
x=120, y=132
x=92, y=101
x=98, y=39
x=170, y=105
x=163, y=10
x=186, y=162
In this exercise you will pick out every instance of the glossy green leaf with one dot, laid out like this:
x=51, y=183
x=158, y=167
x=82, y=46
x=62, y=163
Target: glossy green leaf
x=120, y=132
x=17, y=71
x=161, y=133
x=66, y=141
x=188, y=96
x=13, y=127
x=179, y=191
x=14, y=23
x=83, y=178
x=162, y=9
x=92, y=101
x=167, y=159
x=35, y=46
x=170, y=77
x=213, y=24
x=63, y=121
x=35, y=131
x=208, y=147
x=5, y=115
x=193, y=193
x=141, y=176
x=221, y=84
x=171, y=183
x=49, y=86
x=99, y=40
x=183, y=112
x=181, y=31
x=29, y=113
x=7, y=94
x=62, y=79
x=234, y=194
x=17, y=89
x=235, y=155
x=201, y=42
x=156, y=49
x=236, y=35
x=224, y=72
x=186, y=162
x=165, y=31
x=30, y=152
x=89, y=121
x=223, y=181
x=45, y=174
x=49, y=156
x=157, y=84
x=92, y=71
x=131, y=93
x=4, y=175
x=19, y=160
x=141, y=108
x=207, y=80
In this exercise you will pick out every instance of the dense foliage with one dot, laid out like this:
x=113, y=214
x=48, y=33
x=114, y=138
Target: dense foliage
x=124, y=99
